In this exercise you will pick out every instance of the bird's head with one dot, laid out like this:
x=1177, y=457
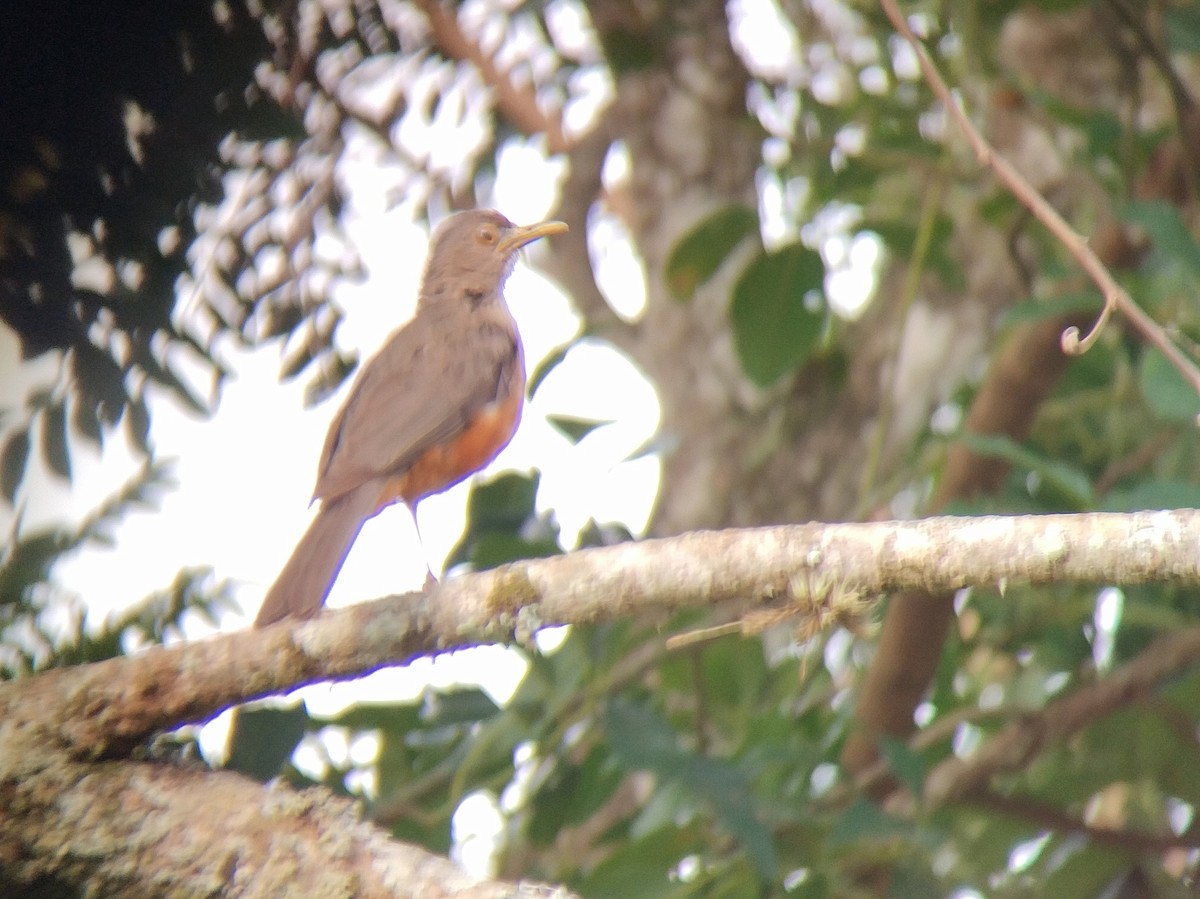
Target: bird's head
x=472, y=253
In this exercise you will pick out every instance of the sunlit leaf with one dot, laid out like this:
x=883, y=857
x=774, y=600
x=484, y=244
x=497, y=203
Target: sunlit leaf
x=137, y=424
x=336, y=368
x=86, y=422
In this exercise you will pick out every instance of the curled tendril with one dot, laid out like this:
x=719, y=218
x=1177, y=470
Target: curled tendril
x=1074, y=345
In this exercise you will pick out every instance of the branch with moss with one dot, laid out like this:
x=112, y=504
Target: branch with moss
x=818, y=574
x=62, y=732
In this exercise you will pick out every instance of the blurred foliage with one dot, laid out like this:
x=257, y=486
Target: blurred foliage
x=41, y=626
x=618, y=766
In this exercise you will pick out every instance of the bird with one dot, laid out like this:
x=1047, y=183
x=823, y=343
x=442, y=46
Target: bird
x=435, y=404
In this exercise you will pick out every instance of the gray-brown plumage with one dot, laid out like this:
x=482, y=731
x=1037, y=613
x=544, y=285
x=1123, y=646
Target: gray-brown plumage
x=440, y=399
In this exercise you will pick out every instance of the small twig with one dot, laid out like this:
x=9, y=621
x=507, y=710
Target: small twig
x=1015, y=745
x=1115, y=297
x=571, y=263
x=1047, y=816
x=519, y=103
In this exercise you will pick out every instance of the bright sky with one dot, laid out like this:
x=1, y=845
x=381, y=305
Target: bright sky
x=246, y=475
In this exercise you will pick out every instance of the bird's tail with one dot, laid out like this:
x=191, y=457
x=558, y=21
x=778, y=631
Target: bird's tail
x=305, y=581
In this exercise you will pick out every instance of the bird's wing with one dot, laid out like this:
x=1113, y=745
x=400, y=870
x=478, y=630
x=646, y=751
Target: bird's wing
x=420, y=390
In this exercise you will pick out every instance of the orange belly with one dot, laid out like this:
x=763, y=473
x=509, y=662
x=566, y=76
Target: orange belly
x=441, y=467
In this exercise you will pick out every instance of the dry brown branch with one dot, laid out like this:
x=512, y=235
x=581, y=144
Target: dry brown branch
x=571, y=263
x=1115, y=297
x=519, y=103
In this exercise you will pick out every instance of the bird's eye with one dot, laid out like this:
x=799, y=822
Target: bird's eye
x=487, y=234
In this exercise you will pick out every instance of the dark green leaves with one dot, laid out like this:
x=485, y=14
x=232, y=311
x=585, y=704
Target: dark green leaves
x=575, y=429
x=265, y=739
x=503, y=525
x=699, y=254
x=54, y=440
x=642, y=739
x=904, y=763
x=12, y=463
x=778, y=312
x=1069, y=484
x=1167, y=231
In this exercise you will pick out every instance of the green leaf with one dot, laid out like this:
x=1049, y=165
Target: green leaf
x=1181, y=25
x=86, y=421
x=575, y=429
x=54, y=440
x=299, y=359
x=773, y=327
x=900, y=236
x=630, y=49
x=1167, y=230
x=504, y=501
x=1158, y=494
x=1038, y=310
x=458, y=705
x=491, y=550
x=642, y=866
x=642, y=739
x=334, y=371
x=547, y=365
x=503, y=524
x=1066, y=479
x=12, y=463
x=137, y=424
x=700, y=252
x=1087, y=872
x=264, y=739
x=904, y=763
x=572, y=794
x=864, y=820
x=1167, y=393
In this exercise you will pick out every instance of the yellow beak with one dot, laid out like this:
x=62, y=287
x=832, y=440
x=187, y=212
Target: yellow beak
x=523, y=234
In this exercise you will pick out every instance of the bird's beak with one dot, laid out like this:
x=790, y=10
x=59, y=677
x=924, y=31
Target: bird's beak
x=523, y=234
